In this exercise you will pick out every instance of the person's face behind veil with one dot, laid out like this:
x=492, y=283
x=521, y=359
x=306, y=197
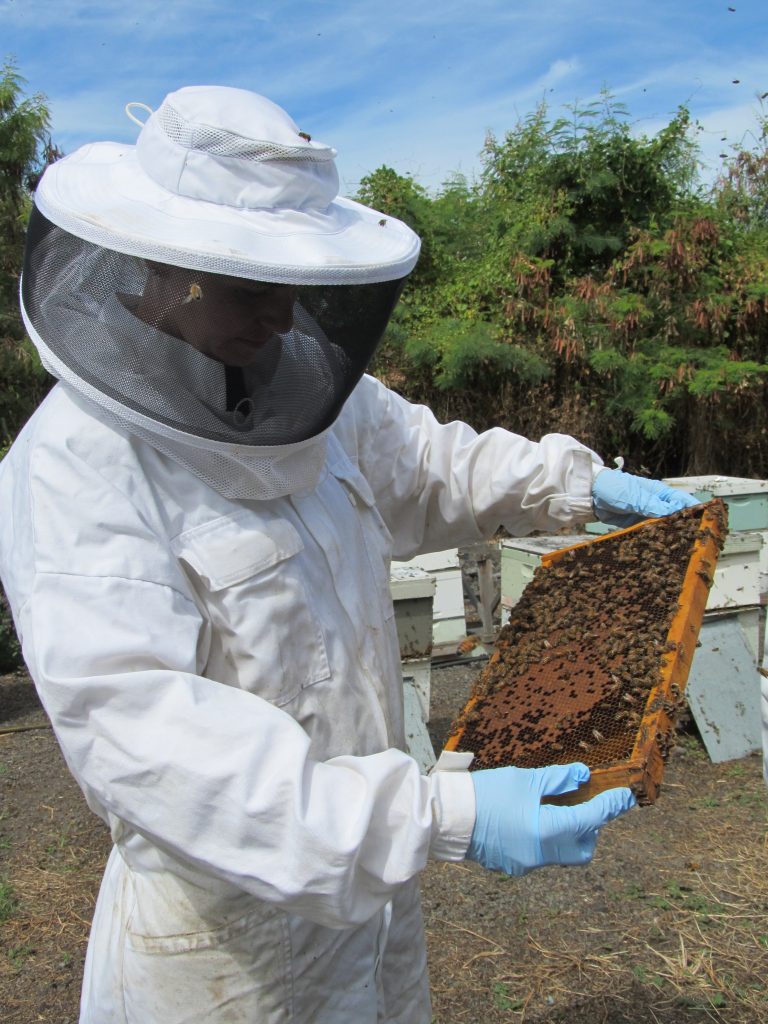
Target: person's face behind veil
x=229, y=319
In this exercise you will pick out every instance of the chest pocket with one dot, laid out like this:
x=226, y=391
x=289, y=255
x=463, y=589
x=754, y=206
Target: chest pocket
x=247, y=573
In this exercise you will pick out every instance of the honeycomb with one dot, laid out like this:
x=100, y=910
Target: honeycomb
x=592, y=665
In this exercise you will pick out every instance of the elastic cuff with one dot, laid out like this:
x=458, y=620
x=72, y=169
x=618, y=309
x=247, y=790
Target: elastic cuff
x=584, y=468
x=454, y=802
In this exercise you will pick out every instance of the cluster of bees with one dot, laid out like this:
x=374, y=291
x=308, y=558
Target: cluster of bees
x=585, y=656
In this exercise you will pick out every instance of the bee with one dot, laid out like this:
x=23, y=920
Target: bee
x=194, y=295
x=305, y=136
x=598, y=735
x=467, y=644
x=382, y=222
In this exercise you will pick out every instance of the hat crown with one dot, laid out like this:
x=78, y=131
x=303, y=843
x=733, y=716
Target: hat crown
x=233, y=147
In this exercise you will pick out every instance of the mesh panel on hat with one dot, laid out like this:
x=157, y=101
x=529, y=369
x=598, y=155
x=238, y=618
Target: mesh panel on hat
x=207, y=364
x=225, y=143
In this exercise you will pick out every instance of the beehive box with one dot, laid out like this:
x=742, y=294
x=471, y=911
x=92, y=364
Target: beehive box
x=520, y=558
x=593, y=661
x=737, y=581
x=449, y=624
x=747, y=499
x=413, y=592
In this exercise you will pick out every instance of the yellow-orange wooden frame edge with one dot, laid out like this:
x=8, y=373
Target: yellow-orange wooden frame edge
x=643, y=769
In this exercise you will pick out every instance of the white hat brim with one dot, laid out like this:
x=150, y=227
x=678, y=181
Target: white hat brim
x=101, y=194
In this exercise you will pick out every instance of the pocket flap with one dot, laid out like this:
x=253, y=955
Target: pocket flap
x=229, y=550
x=342, y=467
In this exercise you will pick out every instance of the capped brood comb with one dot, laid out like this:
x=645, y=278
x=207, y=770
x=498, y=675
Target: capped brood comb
x=593, y=662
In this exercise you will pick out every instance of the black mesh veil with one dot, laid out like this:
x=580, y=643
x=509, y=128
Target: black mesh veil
x=164, y=342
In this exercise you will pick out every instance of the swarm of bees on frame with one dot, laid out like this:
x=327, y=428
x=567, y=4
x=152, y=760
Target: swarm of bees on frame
x=588, y=642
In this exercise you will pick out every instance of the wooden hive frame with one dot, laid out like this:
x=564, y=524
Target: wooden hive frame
x=530, y=688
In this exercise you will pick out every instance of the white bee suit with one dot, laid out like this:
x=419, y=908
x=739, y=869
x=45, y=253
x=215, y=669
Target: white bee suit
x=223, y=678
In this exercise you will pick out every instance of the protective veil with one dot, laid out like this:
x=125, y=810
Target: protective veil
x=198, y=570
x=212, y=288
x=85, y=303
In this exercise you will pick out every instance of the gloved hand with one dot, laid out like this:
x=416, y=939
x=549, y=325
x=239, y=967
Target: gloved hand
x=514, y=832
x=621, y=499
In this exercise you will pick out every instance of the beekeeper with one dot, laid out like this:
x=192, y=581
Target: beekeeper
x=195, y=538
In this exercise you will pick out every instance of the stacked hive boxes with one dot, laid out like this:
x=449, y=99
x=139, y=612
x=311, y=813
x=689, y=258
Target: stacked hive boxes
x=741, y=581
x=449, y=622
x=413, y=593
x=724, y=688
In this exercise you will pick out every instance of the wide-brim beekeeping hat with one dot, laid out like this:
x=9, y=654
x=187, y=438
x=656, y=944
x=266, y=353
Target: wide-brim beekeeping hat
x=223, y=180
x=126, y=242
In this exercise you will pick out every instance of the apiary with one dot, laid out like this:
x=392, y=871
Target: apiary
x=595, y=656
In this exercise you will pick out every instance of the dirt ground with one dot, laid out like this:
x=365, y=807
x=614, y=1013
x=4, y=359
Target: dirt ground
x=668, y=925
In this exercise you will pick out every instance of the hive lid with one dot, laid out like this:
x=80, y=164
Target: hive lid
x=719, y=486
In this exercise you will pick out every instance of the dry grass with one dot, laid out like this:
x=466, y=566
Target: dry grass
x=694, y=952
x=51, y=903
x=48, y=932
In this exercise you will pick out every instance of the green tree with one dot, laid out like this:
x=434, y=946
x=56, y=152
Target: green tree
x=587, y=283
x=25, y=147
x=573, y=190
x=24, y=125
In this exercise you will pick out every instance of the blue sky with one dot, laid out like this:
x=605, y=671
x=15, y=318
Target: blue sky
x=415, y=85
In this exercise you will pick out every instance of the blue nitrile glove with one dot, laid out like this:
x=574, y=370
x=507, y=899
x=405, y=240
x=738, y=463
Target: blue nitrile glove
x=514, y=832
x=621, y=499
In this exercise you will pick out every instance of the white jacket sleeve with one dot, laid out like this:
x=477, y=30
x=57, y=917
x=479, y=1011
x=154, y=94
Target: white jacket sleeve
x=217, y=777
x=439, y=485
